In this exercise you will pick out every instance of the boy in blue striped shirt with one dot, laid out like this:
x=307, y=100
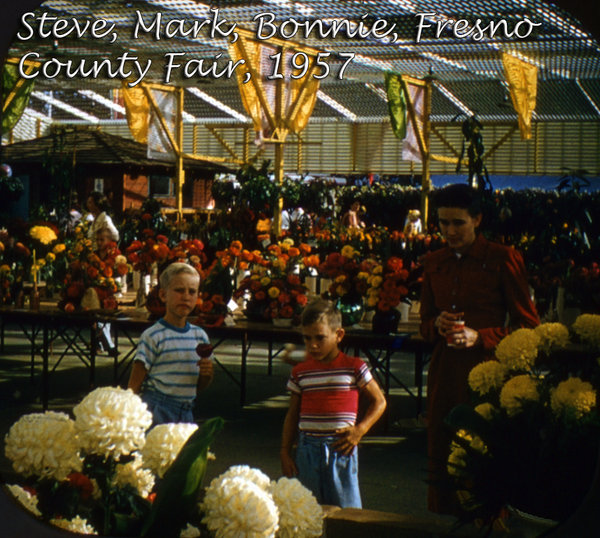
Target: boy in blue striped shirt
x=166, y=371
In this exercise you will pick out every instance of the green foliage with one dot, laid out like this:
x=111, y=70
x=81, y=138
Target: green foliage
x=178, y=492
x=224, y=193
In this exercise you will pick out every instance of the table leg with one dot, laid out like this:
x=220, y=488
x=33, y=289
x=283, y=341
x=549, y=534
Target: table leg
x=270, y=358
x=44, y=367
x=93, y=346
x=243, y=372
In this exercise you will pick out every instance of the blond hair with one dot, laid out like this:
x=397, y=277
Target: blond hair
x=321, y=310
x=174, y=269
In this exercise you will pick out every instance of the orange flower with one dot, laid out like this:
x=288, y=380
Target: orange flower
x=92, y=272
x=304, y=248
x=293, y=252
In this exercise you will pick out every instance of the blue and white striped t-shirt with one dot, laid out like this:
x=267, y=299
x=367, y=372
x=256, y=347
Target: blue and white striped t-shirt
x=169, y=356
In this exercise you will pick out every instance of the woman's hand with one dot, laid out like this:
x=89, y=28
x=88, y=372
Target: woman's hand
x=456, y=333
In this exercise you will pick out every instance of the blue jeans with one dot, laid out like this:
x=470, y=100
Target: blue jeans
x=331, y=476
x=166, y=409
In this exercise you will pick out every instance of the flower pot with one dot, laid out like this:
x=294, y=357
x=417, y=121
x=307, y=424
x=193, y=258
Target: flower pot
x=385, y=322
x=352, y=311
x=255, y=311
x=282, y=322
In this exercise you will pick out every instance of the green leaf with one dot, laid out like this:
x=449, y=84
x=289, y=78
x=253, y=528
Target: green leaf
x=178, y=492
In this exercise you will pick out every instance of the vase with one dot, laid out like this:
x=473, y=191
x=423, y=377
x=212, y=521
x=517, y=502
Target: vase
x=352, y=310
x=140, y=297
x=282, y=322
x=34, y=298
x=256, y=310
x=385, y=322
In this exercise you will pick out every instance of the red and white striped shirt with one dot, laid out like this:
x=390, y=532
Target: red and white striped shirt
x=328, y=393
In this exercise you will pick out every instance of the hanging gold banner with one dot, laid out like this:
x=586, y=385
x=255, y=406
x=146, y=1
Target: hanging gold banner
x=522, y=83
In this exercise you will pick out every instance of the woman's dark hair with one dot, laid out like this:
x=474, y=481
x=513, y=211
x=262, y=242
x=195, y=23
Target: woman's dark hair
x=100, y=200
x=458, y=195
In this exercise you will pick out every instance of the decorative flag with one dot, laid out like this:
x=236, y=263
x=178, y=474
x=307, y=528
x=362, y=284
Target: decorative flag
x=522, y=84
x=137, y=110
x=159, y=146
x=15, y=94
x=402, y=124
x=297, y=104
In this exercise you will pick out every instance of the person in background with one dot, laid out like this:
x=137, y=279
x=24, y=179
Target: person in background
x=166, y=371
x=474, y=292
x=351, y=218
x=97, y=204
x=412, y=224
x=323, y=411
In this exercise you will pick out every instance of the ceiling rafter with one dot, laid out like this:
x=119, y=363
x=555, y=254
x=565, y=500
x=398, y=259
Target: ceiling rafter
x=65, y=106
x=336, y=106
x=217, y=104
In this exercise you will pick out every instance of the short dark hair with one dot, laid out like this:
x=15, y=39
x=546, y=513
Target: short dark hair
x=458, y=195
x=321, y=310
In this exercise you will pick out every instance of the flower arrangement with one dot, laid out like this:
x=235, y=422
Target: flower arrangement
x=387, y=285
x=274, y=289
x=90, y=281
x=531, y=437
x=144, y=253
x=245, y=502
x=349, y=276
x=102, y=473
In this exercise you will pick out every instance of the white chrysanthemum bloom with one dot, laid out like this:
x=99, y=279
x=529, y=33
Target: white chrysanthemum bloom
x=247, y=473
x=111, y=421
x=519, y=349
x=163, y=444
x=77, y=524
x=29, y=501
x=189, y=532
x=552, y=336
x=235, y=507
x=300, y=515
x=43, y=445
x=133, y=474
x=587, y=327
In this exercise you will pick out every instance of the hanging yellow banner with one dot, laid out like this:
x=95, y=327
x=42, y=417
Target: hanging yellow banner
x=259, y=93
x=522, y=83
x=137, y=109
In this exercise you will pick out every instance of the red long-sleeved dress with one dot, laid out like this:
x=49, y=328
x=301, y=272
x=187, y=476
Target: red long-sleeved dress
x=488, y=283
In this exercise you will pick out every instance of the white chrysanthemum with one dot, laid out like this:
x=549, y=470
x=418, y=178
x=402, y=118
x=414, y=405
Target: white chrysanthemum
x=163, y=444
x=189, y=532
x=300, y=515
x=519, y=349
x=29, y=501
x=43, y=445
x=587, y=327
x=552, y=336
x=235, y=507
x=247, y=473
x=133, y=474
x=77, y=524
x=111, y=421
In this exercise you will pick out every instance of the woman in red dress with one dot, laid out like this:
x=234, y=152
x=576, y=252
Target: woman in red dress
x=474, y=293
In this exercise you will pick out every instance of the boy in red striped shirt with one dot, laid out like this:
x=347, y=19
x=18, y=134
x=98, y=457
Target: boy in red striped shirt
x=323, y=411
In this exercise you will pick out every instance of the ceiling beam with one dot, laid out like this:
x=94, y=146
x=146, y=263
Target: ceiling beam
x=336, y=106
x=66, y=107
x=218, y=104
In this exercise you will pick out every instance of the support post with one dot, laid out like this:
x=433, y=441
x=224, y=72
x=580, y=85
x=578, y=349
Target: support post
x=426, y=177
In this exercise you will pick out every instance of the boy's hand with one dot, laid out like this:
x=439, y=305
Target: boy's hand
x=206, y=367
x=288, y=465
x=349, y=437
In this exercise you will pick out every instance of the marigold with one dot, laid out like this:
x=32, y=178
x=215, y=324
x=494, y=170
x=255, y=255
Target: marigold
x=517, y=390
x=587, y=327
x=487, y=376
x=273, y=292
x=348, y=252
x=518, y=350
x=573, y=396
x=43, y=234
x=552, y=336
x=486, y=410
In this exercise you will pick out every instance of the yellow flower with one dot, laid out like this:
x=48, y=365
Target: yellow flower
x=273, y=292
x=363, y=275
x=456, y=460
x=339, y=279
x=348, y=251
x=377, y=270
x=4, y=268
x=573, y=396
x=475, y=442
x=487, y=376
x=552, y=336
x=518, y=350
x=587, y=327
x=265, y=281
x=340, y=290
x=50, y=257
x=372, y=300
x=43, y=234
x=486, y=410
x=40, y=263
x=517, y=390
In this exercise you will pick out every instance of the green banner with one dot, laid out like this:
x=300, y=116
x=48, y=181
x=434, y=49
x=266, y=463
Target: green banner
x=396, y=104
x=18, y=101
